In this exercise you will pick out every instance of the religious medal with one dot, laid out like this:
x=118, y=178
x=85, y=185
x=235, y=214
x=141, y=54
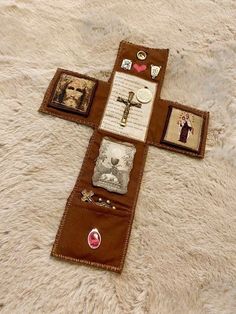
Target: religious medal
x=155, y=69
x=113, y=165
x=126, y=64
x=144, y=95
x=141, y=55
x=94, y=239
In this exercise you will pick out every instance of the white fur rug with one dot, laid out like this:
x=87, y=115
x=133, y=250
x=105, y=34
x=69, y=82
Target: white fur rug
x=182, y=251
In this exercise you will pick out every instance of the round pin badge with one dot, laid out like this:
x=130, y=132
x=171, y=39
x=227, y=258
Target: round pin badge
x=141, y=55
x=144, y=95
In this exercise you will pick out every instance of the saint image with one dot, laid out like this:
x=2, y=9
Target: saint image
x=183, y=129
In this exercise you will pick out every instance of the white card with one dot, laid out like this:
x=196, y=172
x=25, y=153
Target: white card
x=138, y=118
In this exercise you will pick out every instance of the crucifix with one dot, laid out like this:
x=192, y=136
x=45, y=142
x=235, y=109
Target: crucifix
x=90, y=232
x=128, y=104
x=87, y=196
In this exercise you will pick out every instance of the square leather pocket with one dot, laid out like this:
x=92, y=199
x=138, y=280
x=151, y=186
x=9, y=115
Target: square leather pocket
x=112, y=227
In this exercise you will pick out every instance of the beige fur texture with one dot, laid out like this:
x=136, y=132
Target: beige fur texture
x=182, y=251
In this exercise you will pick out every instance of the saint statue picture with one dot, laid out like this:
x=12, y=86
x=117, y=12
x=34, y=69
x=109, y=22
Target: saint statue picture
x=74, y=94
x=183, y=129
x=113, y=165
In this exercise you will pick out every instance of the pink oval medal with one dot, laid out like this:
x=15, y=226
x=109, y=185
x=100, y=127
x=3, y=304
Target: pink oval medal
x=94, y=238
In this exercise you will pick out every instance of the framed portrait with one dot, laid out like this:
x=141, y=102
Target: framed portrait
x=74, y=93
x=113, y=165
x=183, y=129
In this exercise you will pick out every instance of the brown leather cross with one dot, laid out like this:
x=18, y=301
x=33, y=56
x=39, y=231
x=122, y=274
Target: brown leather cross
x=97, y=215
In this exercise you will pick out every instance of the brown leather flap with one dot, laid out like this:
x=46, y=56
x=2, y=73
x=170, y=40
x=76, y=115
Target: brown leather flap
x=154, y=57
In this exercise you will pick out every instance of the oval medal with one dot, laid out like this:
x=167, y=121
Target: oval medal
x=94, y=238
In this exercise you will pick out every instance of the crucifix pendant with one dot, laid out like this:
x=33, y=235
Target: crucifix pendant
x=128, y=103
x=87, y=196
x=124, y=118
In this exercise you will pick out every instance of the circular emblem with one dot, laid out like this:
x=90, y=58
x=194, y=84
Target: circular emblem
x=144, y=95
x=94, y=239
x=141, y=55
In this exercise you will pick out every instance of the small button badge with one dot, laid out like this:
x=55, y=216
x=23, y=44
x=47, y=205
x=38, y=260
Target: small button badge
x=126, y=64
x=94, y=239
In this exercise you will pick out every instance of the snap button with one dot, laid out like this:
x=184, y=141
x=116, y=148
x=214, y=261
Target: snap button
x=141, y=55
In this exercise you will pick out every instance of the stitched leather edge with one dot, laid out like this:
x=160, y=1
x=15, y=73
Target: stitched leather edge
x=134, y=206
x=90, y=124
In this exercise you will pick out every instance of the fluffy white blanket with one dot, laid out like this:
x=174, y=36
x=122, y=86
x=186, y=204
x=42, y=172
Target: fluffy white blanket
x=182, y=251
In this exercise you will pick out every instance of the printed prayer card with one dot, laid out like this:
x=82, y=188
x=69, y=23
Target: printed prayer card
x=128, y=111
